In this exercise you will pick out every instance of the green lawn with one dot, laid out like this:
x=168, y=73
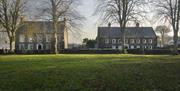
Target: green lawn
x=89, y=73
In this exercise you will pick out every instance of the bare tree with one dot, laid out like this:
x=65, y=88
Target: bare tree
x=170, y=9
x=121, y=12
x=163, y=30
x=57, y=10
x=10, y=18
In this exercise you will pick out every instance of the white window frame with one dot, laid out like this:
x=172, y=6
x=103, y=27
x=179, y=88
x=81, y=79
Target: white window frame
x=39, y=38
x=48, y=46
x=113, y=47
x=138, y=46
x=145, y=47
x=120, y=47
x=132, y=41
x=144, y=41
x=106, y=41
x=30, y=46
x=48, y=38
x=119, y=41
x=113, y=41
x=21, y=38
x=150, y=41
x=132, y=47
x=150, y=47
x=138, y=41
x=21, y=46
x=30, y=39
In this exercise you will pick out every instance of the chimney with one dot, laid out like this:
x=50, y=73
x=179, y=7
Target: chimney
x=137, y=24
x=109, y=24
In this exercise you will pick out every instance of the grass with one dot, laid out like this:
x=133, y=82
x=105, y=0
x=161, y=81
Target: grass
x=89, y=73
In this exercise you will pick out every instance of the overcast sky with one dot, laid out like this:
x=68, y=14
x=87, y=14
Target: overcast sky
x=87, y=9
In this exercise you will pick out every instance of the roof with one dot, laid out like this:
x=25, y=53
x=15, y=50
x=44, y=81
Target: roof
x=132, y=32
x=40, y=26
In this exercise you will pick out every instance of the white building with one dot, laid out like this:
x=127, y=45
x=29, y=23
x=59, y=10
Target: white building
x=4, y=40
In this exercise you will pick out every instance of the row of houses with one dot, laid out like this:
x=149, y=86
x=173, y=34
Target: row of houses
x=135, y=37
x=38, y=35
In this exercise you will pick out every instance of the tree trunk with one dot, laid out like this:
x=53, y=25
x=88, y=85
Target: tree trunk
x=55, y=39
x=12, y=44
x=124, y=42
x=163, y=42
x=175, y=51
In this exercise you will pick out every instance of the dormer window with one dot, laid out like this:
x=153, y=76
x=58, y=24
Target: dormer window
x=132, y=41
x=150, y=41
x=114, y=41
x=144, y=41
x=138, y=41
x=106, y=41
x=119, y=41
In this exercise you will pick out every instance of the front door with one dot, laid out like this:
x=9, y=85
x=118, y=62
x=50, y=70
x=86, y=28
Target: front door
x=39, y=47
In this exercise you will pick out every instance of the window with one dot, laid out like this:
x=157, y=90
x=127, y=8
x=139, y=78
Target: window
x=126, y=41
x=120, y=47
x=150, y=41
x=21, y=47
x=132, y=47
x=150, y=47
x=138, y=46
x=48, y=38
x=113, y=47
x=119, y=41
x=106, y=41
x=30, y=46
x=39, y=38
x=138, y=41
x=30, y=40
x=145, y=46
x=144, y=41
x=21, y=38
x=132, y=41
x=48, y=47
x=114, y=41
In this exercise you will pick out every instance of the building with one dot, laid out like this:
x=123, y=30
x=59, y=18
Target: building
x=135, y=38
x=4, y=40
x=38, y=35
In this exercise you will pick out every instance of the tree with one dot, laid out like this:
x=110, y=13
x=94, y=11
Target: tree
x=170, y=9
x=85, y=40
x=89, y=43
x=121, y=12
x=10, y=18
x=57, y=10
x=162, y=30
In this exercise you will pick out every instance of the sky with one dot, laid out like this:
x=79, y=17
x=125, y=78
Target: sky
x=87, y=8
x=89, y=29
x=91, y=24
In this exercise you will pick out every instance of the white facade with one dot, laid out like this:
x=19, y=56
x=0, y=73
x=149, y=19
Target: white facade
x=4, y=40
